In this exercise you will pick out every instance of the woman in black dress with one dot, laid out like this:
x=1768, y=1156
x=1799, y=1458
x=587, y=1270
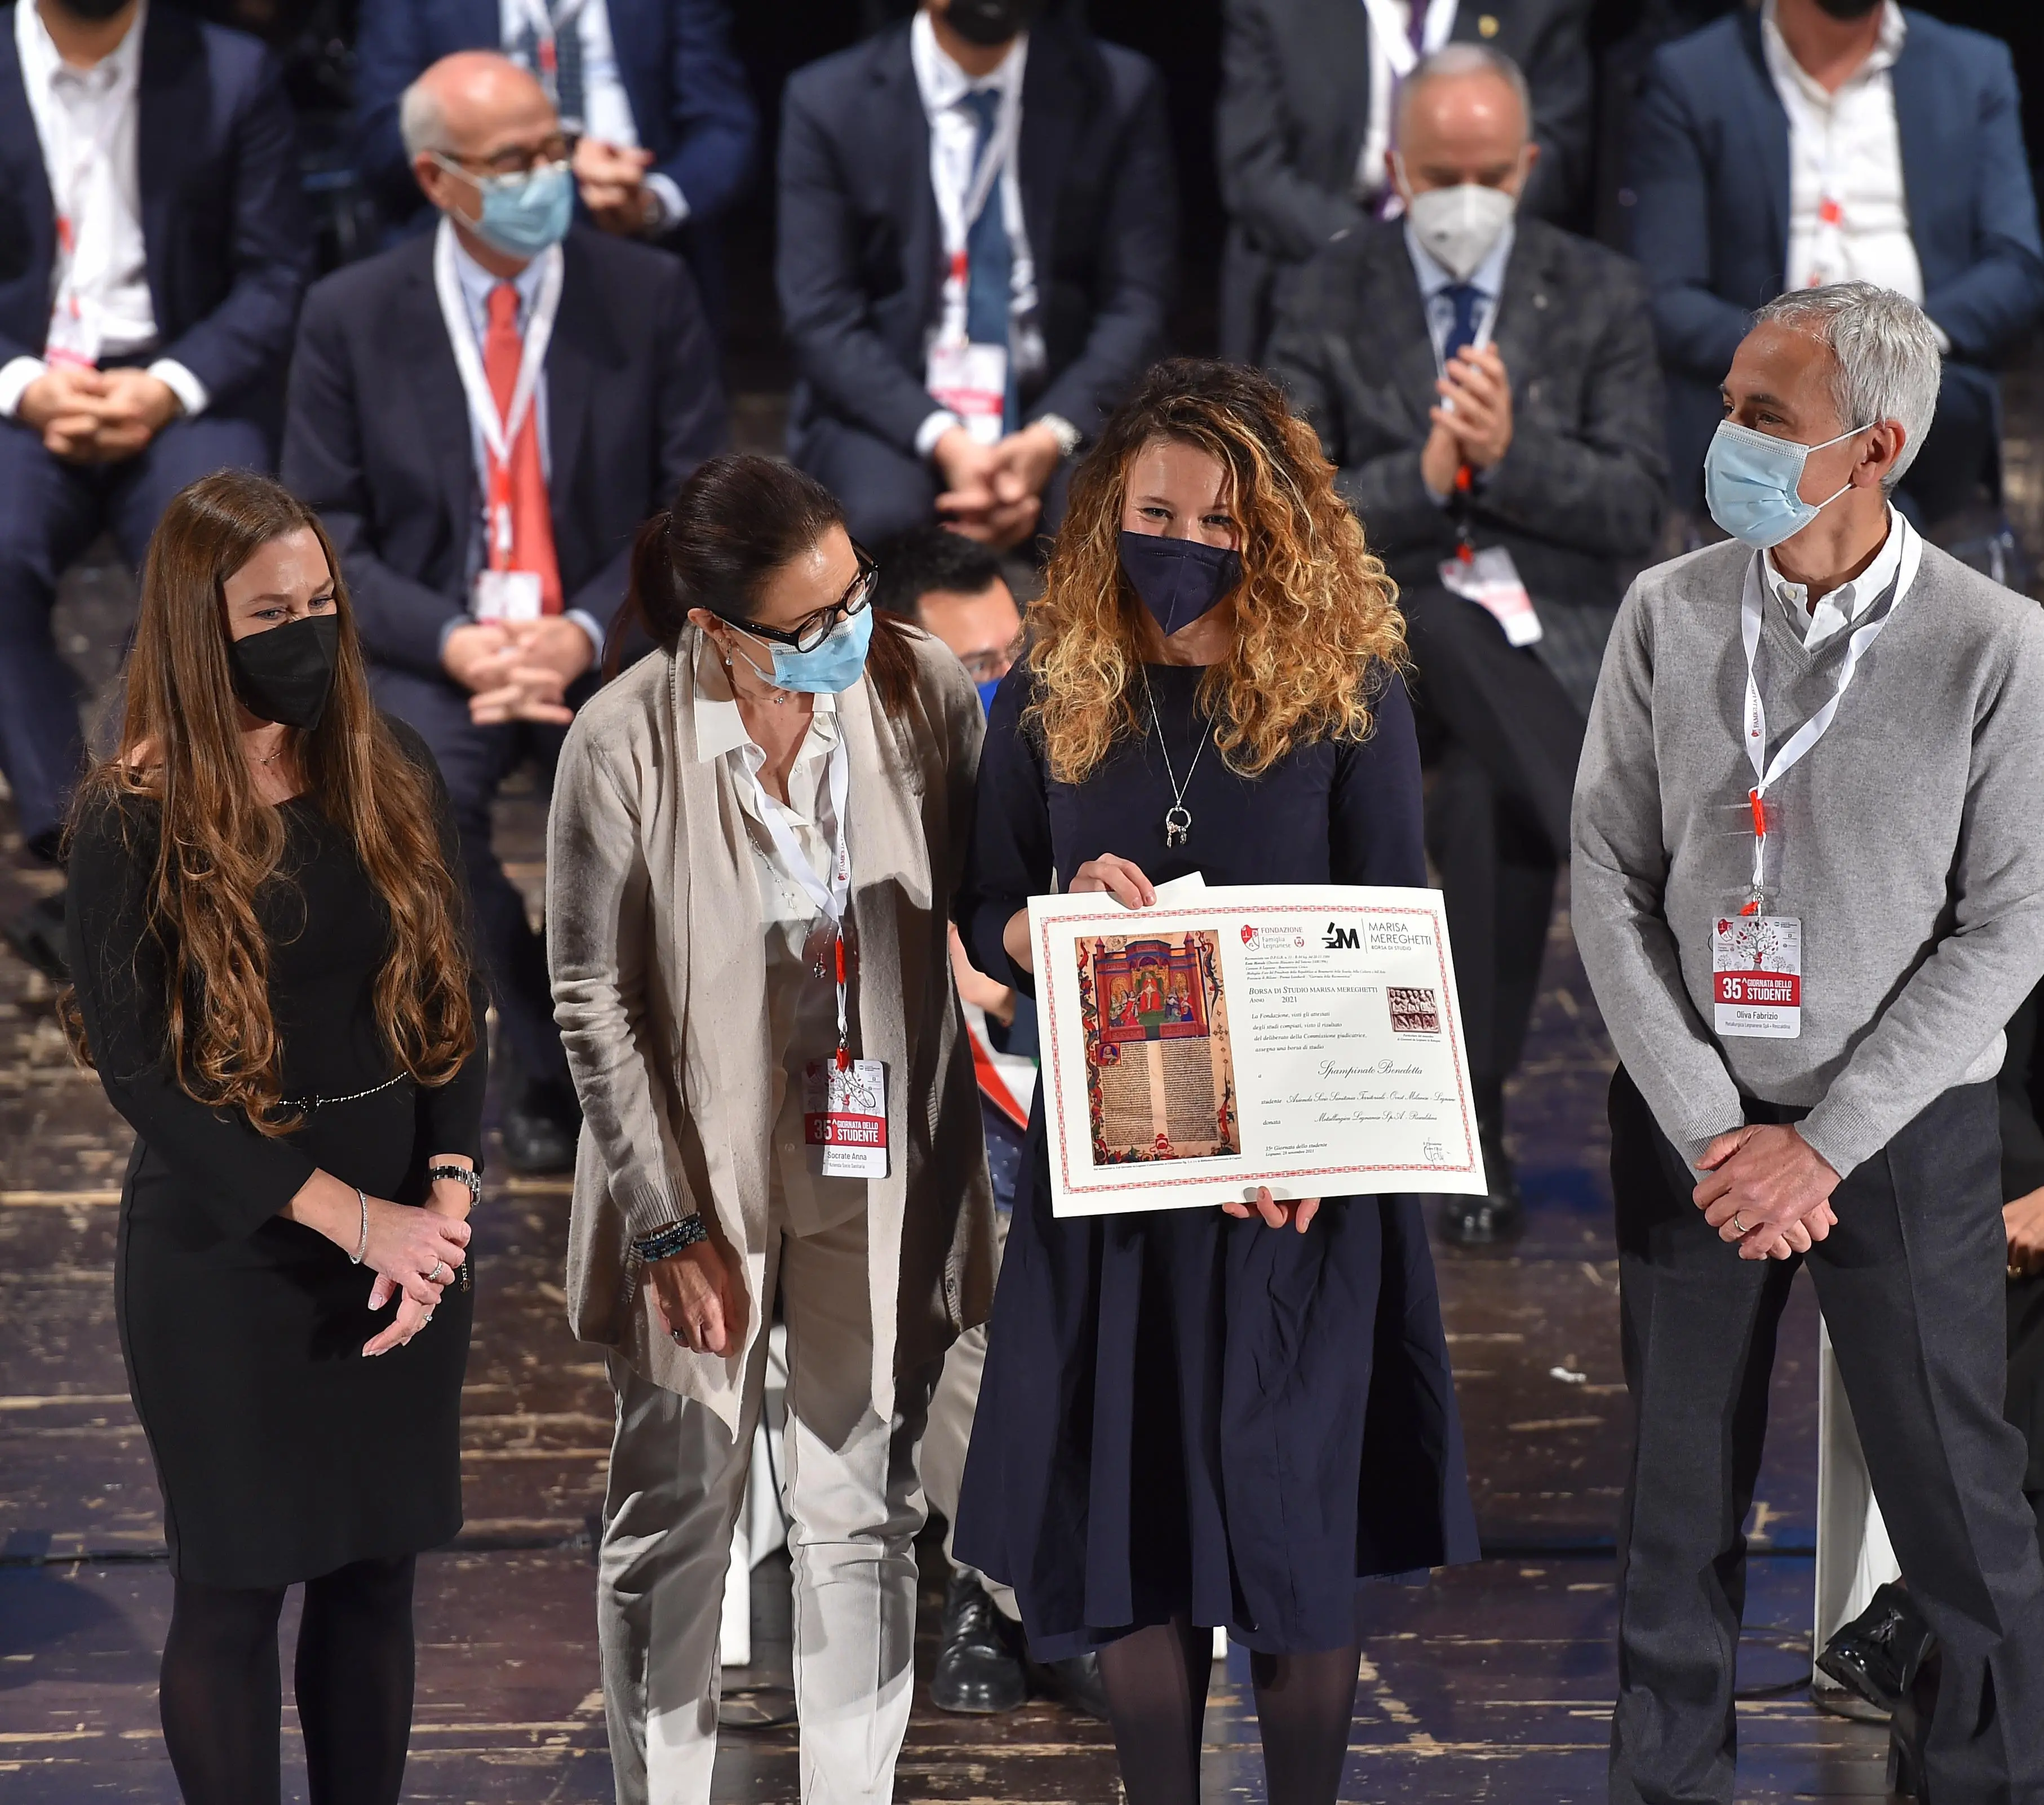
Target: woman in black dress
x=1189, y=1420
x=270, y=951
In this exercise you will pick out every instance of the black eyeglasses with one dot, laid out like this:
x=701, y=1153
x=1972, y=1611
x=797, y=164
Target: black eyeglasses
x=812, y=630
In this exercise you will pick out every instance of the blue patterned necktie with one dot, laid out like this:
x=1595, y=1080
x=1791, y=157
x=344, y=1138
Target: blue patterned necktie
x=1467, y=298
x=990, y=309
x=563, y=80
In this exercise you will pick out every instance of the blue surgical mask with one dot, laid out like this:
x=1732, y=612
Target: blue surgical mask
x=1753, y=484
x=832, y=668
x=523, y=215
x=987, y=691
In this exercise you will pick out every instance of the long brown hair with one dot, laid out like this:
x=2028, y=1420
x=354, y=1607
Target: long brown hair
x=737, y=519
x=219, y=844
x=1317, y=626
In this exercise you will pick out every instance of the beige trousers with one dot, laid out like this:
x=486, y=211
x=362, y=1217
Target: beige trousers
x=950, y=1431
x=677, y=1479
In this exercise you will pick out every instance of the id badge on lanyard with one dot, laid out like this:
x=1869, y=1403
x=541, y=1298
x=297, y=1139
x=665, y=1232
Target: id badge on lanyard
x=1756, y=958
x=971, y=379
x=844, y=1100
x=500, y=593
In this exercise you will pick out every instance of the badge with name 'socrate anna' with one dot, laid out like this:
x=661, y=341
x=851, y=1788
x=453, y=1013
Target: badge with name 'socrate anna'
x=1756, y=976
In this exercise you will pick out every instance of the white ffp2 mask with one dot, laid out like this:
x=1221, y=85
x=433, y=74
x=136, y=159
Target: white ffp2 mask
x=1457, y=226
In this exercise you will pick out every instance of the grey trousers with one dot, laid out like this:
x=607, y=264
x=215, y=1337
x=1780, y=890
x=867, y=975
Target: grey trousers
x=1910, y=1285
x=945, y=1441
x=677, y=1479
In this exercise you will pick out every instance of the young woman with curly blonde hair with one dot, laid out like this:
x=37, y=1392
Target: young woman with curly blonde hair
x=1228, y=1417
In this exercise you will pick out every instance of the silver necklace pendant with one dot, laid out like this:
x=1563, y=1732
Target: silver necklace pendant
x=1177, y=824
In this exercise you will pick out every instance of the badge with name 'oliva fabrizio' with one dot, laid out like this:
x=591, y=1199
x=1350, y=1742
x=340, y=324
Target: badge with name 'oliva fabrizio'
x=1756, y=976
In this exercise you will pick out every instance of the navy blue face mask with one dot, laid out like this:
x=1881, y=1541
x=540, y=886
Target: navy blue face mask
x=1179, y=579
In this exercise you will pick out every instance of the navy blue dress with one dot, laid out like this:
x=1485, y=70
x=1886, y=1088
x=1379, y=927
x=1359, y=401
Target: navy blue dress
x=1184, y=1413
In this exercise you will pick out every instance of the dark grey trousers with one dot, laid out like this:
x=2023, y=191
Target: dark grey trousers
x=1910, y=1284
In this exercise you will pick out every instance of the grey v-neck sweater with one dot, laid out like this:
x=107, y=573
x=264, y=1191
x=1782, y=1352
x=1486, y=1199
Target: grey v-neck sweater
x=1909, y=841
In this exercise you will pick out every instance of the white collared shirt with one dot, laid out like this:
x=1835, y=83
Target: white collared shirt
x=801, y=987
x=1487, y=278
x=606, y=107
x=476, y=284
x=85, y=123
x=1846, y=603
x=954, y=148
x=1848, y=208
x=1369, y=176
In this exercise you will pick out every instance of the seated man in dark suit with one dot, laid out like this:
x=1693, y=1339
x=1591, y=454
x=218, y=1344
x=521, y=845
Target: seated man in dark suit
x=483, y=417
x=152, y=251
x=657, y=105
x=1487, y=384
x=976, y=230
x=1852, y=140
x=1305, y=118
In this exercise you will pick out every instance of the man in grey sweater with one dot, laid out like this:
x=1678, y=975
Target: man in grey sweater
x=1809, y=890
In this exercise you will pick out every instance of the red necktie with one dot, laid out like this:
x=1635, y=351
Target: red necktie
x=521, y=489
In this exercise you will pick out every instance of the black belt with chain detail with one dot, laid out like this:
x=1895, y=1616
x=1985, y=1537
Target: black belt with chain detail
x=306, y=1106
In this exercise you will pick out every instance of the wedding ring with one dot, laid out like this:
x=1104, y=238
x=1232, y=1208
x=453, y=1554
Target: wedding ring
x=433, y=1277
x=1737, y=1227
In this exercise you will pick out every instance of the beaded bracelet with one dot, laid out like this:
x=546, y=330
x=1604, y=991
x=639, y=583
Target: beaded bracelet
x=663, y=1242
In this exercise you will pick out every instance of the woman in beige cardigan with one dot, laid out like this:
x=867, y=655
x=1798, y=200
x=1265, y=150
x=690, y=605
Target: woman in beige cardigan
x=787, y=762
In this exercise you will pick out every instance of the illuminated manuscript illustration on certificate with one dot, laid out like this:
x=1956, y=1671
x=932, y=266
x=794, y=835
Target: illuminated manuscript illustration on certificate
x=1160, y=1067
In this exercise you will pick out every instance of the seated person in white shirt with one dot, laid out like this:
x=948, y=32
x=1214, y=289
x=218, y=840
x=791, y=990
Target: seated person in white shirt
x=924, y=393
x=148, y=352
x=484, y=588
x=1816, y=141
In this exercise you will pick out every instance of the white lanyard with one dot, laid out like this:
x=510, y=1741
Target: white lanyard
x=957, y=213
x=830, y=898
x=1394, y=35
x=1766, y=771
x=499, y=435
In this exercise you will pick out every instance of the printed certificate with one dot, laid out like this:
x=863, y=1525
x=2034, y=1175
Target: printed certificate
x=1304, y=1037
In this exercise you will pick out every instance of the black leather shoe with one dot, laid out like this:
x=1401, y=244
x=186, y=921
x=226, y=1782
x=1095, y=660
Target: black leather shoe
x=980, y=1669
x=1496, y=1220
x=37, y=934
x=1877, y=1653
x=1076, y=1684
x=539, y=1131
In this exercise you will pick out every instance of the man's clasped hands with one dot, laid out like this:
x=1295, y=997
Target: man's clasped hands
x=88, y=415
x=1768, y=1189
x=518, y=670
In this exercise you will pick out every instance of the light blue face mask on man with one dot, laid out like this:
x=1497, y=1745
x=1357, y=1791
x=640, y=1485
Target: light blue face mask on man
x=523, y=214
x=832, y=668
x=1753, y=484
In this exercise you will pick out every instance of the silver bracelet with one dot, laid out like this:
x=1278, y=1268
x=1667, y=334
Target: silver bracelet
x=361, y=1246
x=463, y=1174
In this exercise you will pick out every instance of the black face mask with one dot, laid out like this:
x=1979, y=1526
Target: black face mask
x=1179, y=579
x=991, y=21
x=1849, y=9
x=97, y=11
x=286, y=675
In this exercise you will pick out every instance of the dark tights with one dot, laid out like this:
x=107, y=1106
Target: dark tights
x=222, y=1699
x=1157, y=1694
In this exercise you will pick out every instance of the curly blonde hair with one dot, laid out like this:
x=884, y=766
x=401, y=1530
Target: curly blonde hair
x=1317, y=627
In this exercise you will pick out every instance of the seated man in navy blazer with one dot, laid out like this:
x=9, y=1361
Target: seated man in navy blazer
x=153, y=248
x=1816, y=141
x=977, y=225
x=483, y=416
x=662, y=120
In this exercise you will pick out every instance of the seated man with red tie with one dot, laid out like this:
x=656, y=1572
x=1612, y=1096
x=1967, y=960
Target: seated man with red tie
x=483, y=417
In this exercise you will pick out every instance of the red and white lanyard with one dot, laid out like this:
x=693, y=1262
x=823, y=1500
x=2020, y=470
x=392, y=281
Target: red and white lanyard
x=832, y=899
x=499, y=433
x=958, y=211
x=547, y=24
x=1768, y=771
x=66, y=310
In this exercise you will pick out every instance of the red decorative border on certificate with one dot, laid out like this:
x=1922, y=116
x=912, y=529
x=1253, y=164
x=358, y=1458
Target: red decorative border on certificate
x=1119, y=1181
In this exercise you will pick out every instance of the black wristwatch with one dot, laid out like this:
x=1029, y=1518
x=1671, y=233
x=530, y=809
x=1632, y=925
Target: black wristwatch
x=468, y=1175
